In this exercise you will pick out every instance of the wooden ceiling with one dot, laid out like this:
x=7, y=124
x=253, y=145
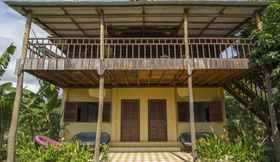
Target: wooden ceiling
x=144, y=18
x=140, y=78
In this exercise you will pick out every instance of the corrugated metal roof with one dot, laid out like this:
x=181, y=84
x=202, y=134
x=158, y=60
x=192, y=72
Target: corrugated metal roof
x=81, y=17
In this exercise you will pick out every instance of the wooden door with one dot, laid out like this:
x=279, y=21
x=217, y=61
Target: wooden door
x=157, y=120
x=130, y=120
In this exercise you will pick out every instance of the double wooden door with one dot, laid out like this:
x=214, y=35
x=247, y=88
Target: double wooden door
x=157, y=120
x=130, y=120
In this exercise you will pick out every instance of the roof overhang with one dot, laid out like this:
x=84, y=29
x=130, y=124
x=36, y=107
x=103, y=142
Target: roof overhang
x=81, y=18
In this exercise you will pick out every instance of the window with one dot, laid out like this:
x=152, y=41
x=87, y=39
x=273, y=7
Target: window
x=203, y=112
x=85, y=112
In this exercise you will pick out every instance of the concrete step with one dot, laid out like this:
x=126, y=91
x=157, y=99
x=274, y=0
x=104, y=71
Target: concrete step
x=144, y=144
x=145, y=149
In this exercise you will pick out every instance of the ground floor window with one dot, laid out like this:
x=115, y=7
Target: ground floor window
x=85, y=112
x=204, y=111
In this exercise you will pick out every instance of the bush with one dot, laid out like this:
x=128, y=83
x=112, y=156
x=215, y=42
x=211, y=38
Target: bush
x=216, y=149
x=68, y=152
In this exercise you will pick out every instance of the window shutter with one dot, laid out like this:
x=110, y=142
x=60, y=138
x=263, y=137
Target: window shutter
x=107, y=112
x=70, y=112
x=83, y=111
x=183, y=111
x=93, y=112
x=215, y=111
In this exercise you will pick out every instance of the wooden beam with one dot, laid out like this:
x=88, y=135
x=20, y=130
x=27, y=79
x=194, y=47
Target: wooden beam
x=212, y=20
x=137, y=78
x=85, y=78
x=147, y=22
x=126, y=77
x=176, y=76
x=140, y=15
x=17, y=101
x=161, y=77
x=42, y=23
x=74, y=21
x=143, y=21
x=137, y=29
x=91, y=76
x=101, y=89
x=238, y=26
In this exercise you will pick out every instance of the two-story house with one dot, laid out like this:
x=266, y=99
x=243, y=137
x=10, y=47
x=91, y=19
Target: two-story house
x=157, y=68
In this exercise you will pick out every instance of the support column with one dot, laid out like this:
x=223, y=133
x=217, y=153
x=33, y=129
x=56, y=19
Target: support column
x=16, y=106
x=101, y=90
x=190, y=89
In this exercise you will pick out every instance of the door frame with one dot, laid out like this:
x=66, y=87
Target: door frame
x=149, y=120
x=137, y=101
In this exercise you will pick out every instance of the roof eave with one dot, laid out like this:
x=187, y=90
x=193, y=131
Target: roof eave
x=52, y=3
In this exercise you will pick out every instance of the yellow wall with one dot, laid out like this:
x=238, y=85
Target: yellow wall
x=171, y=95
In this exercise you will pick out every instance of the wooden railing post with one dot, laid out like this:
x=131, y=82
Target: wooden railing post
x=190, y=89
x=16, y=106
x=101, y=90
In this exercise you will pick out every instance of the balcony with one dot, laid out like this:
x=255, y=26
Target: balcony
x=138, y=61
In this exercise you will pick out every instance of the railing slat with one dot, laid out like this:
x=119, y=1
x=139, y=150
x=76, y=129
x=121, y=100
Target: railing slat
x=222, y=48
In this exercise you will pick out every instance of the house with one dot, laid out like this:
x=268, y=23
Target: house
x=156, y=68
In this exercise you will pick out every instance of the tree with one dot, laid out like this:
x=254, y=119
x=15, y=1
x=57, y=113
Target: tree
x=7, y=94
x=5, y=59
x=266, y=57
x=39, y=113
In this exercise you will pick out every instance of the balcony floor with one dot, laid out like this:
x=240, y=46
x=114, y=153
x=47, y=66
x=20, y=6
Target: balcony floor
x=136, y=72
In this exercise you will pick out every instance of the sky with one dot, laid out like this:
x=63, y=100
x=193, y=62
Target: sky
x=11, y=31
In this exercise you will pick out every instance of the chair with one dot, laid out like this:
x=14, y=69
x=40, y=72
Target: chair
x=88, y=138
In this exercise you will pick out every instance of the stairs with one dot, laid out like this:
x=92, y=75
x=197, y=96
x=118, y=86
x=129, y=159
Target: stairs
x=245, y=90
x=145, y=147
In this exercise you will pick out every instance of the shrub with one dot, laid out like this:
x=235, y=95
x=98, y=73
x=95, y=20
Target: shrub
x=67, y=152
x=216, y=149
x=70, y=151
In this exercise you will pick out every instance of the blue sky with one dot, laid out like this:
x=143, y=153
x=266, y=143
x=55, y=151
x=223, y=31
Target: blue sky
x=11, y=31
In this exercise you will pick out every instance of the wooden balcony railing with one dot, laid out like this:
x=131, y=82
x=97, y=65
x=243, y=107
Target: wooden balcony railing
x=125, y=48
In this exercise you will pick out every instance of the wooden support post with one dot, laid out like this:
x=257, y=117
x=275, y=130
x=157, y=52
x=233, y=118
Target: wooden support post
x=101, y=90
x=16, y=106
x=190, y=90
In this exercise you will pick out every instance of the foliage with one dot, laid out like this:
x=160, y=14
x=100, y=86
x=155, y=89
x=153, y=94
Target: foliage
x=240, y=119
x=67, y=152
x=5, y=58
x=266, y=58
x=7, y=93
x=104, y=152
x=216, y=149
x=39, y=112
x=267, y=51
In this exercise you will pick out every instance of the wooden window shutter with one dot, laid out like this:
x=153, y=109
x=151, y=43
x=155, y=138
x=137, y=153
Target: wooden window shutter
x=215, y=111
x=83, y=111
x=107, y=112
x=183, y=111
x=92, y=112
x=70, y=112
